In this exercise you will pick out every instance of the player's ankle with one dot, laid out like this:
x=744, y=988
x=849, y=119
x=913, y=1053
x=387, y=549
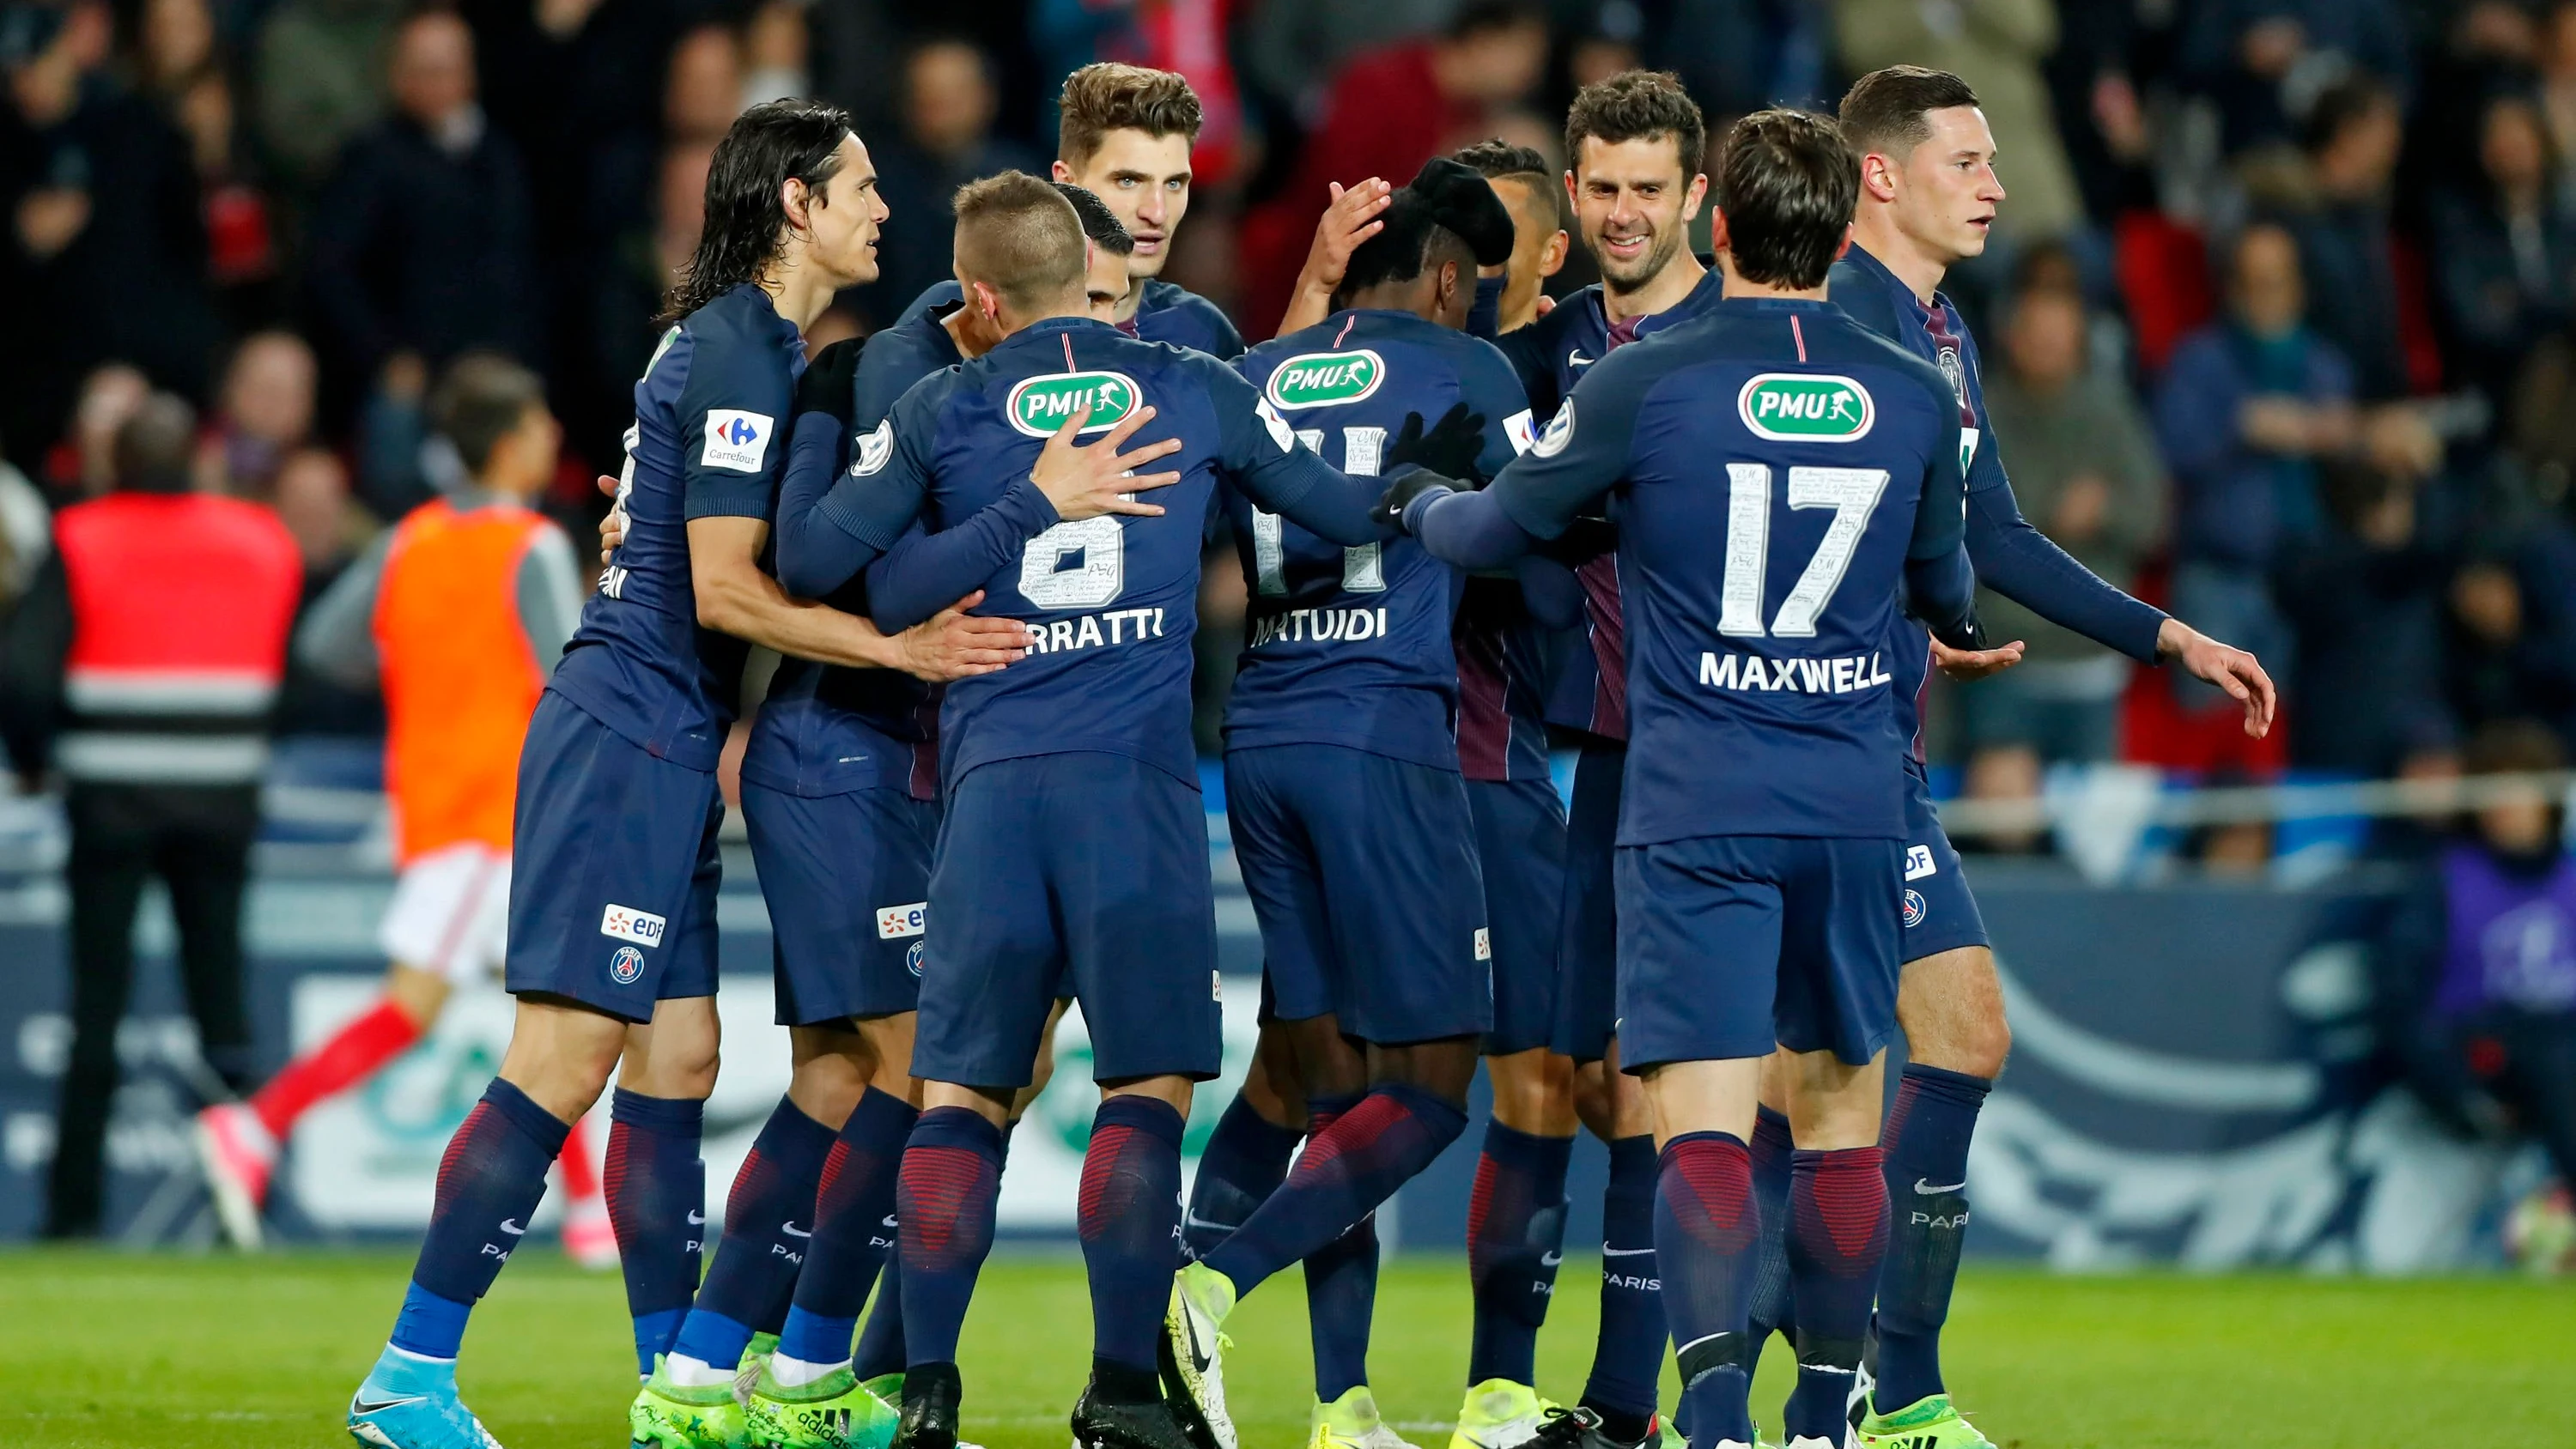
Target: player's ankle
x=1113, y=1382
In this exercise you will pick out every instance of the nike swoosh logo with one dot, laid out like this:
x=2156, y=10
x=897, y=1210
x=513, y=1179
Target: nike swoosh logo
x=1194, y=1220
x=697, y=1219
x=1610, y=1252
x=793, y=1231
x=1550, y=1260
x=889, y=1220
x=1577, y=359
x=1926, y=1188
x=1199, y=1359
x=378, y=1406
x=511, y=1227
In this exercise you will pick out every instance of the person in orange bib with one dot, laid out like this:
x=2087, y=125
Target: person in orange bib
x=459, y=612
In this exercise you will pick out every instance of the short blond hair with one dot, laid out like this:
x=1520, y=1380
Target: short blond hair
x=1108, y=96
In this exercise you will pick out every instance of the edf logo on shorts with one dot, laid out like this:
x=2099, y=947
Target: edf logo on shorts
x=1919, y=863
x=625, y=965
x=1915, y=909
x=896, y=922
x=629, y=924
x=736, y=440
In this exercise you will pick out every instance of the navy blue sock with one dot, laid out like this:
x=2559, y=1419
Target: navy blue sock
x=1926, y=1150
x=1837, y=1235
x=944, y=1196
x=1771, y=1312
x=1245, y=1161
x=1706, y=1225
x=1628, y=1356
x=1515, y=1237
x=1341, y=1282
x=851, y=1237
x=880, y=1347
x=1341, y=1177
x=1129, y=1218
x=489, y=1181
x=657, y=1201
x=769, y=1218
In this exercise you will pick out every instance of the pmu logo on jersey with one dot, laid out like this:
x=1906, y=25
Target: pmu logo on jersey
x=624, y=965
x=1798, y=407
x=1325, y=379
x=736, y=440
x=896, y=922
x=1039, y=405
x=629, y=924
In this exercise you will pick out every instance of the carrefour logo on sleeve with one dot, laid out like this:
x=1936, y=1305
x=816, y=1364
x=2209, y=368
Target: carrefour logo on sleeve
x=1798, y=407
x=737, y=440
x=1039, y=405
x=1325, y=379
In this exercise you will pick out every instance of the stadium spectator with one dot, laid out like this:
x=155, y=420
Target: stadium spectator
x=2364, y=598
x=704, y=91
x=2476, y=976
x=1996, y=46
x=319, y=82
x=1292, y=52
x=947, y=140
x=2346, y=251
x=312, y=499
x=84, y=464
x=2263, y=61
x=2554, y=56
x=774, y=51
x=161, y=733
x=2503, y=248
x=1390, y=111
x=422, y=245
x=266, y=413
x=2510, y=652
x=2248, y=407
x=2086, y=472
x=100, y=201
x=26, y=534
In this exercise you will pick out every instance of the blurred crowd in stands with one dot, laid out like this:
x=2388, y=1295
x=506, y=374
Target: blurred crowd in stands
x=2279, y=326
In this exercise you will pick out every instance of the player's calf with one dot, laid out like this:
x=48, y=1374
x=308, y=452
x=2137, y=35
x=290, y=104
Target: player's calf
x=1837, y=1234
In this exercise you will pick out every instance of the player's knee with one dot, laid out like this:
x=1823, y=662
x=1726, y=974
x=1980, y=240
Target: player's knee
x=1595, y=1105
x=1534, y=1092
x=1970, y=1043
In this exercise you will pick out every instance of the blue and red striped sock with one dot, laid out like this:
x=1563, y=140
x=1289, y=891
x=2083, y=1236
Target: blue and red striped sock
x=1245, y=1161
x=1341, y=1282
x=657, y=1201
x=1706, y=1225
x=489, y=1181
x=1515, y=1236
x=1837, y=1234
x=1771, y=1310
x=755, y=1266
x=1128, y=1214
x=944, y=1198
x=1341, y=1177
x=852, y=1202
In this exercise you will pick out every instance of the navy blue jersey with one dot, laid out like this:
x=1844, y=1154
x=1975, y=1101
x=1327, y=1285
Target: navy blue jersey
x=2009, y=554
x=829, y=730
x=710, y=413
x=1350, y=646
x=1774, y=465
x=1587, y=688
x=1112, y=600
x=1166, y=313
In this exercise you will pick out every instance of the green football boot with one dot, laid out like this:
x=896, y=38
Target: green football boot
x=1351, y=1422
x=667, y=1416
x=835, y=1411
x=755, y=1357
x=887, y=1387
x=1924, y=1424
x=1498, y=1414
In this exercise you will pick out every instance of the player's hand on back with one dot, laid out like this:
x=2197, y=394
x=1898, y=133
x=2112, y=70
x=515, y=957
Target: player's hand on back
x=831, y=381
x=1451, y=447
x=1086, y=481
x=1970, y=665
x=2226, y=666
x=954, y=644
x=1390, y=506
x=612, y=526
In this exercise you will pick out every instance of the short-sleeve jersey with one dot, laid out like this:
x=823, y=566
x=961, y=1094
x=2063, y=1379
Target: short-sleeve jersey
x=1588, y=687
x=1166, y=313
x=1351, y=646
x=828, y=730
x=1111, y=600
x=711, y=412
x=1773, y=464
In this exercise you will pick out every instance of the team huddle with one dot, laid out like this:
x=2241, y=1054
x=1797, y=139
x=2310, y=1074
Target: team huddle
x=1715, y=518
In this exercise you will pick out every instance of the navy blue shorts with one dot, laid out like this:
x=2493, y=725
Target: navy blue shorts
x=1520, y=847
x=1089, y=868
x=847, y=879
x=1587, y=972
x=613, y=869
x=1732, y=944
x=1362, y=871
x=1940, y=911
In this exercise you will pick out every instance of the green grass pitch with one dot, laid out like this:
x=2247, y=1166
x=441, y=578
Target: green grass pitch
x=192, y=1353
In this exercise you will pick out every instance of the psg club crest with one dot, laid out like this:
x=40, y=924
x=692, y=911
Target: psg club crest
x=912, y=956
x=627, y=963
x=1915, y=909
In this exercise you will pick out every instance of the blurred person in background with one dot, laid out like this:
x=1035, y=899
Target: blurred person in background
x=422, y=246
x=2085, y=469
x=2476, y=974
x=2346, y=248
x=2364, y=597
x=457, y=613
x=2554, y=58
x=178, y=63
x=2249, y=406
x=775, y=47
x=83, y=464
x=312, y=499
x=1390, y=111
x=947, y=140
x=644, y=263
x=265, y=413
x=1530, y=191
x=318, y=80
x=1996, y=46
x=160, y=732
x=98, y=200
x=26, y=534
x=2503, y=250
x=2510, y=648
x=2263, y=61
